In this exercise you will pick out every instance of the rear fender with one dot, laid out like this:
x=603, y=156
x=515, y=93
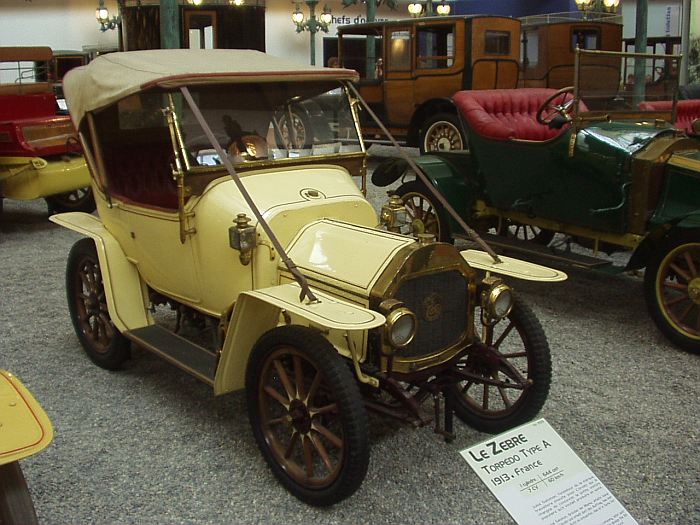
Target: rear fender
x=259, y=311
x=126, y=297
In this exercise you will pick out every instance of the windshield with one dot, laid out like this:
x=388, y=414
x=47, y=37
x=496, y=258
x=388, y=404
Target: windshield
x=268, y=122
x=627, y=82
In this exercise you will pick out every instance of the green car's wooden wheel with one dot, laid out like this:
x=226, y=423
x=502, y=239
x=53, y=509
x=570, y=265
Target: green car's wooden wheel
x=672, y=290
x=307, y=415
x=423, y=213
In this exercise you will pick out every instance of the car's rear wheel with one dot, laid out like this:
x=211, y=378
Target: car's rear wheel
x=423, y=213
x=307, y=415
x=87, y=302
x=525, y=232
x=672, y=290
x=443, y=132
x=510, y=375
x=76, y=200
x=16, y=507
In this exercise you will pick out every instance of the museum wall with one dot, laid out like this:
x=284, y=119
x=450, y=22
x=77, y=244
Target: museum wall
x=70, y=24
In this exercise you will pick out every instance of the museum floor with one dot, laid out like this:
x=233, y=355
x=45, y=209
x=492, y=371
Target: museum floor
x=150, y=444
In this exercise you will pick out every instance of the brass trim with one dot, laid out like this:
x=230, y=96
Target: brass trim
x=684, y=162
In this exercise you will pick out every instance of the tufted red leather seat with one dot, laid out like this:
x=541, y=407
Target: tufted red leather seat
x=686, y=111
x=141, y=173
x=505, y=114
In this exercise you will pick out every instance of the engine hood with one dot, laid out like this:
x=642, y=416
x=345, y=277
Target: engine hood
x=345, y=255
x=623, y=137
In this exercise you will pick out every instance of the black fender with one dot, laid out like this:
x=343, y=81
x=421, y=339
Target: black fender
x=656, y=238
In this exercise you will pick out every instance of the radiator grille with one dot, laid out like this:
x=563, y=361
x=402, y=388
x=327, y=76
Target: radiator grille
x=439, y=301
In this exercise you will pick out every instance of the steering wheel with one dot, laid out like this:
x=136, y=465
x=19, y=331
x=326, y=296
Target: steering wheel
x=549, y=111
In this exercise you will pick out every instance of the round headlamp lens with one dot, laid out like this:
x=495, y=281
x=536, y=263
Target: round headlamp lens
x=500, y=301
x=401, y=327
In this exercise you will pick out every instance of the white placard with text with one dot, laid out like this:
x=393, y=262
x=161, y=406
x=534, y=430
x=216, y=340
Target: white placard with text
x=539, y=479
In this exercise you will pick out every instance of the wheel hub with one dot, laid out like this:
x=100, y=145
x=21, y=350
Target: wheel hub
x=300, y=416
x=694, y=290
x=444, y=144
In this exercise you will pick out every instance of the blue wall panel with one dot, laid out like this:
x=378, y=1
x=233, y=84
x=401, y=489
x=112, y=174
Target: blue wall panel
x=512, y=7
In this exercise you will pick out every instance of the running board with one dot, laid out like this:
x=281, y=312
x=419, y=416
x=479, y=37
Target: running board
x=193, y=359
x=508, y=244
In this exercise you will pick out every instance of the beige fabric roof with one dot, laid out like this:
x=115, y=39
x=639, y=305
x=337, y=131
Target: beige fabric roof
x=114, y=76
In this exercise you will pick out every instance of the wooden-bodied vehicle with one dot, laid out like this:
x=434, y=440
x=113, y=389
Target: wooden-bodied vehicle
x=25, y=430
x=250, y=259
x=613, y=180
x=410, y=68
x=549, y=45
x=39, y=151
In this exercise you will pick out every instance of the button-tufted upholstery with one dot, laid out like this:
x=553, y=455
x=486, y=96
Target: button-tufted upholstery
x=504, y=114
x=686, y=111
x=141, y=173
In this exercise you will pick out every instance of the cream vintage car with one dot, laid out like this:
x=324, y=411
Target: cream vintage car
x=246, y=255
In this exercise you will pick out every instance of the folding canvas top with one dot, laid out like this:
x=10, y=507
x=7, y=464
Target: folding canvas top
x=113, y=76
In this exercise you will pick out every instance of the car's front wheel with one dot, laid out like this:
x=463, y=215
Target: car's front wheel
x=87, y=303
x=672, y=290
x=307, y=415
x=76, y=200
x=424, y=214
x=16, y=507
x=507, y=377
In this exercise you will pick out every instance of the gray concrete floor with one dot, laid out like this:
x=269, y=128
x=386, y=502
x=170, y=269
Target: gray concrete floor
x=150, y=444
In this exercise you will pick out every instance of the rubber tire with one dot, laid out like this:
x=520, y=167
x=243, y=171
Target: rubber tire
x=118, y=349
x=416, y=187
x=60, y=203
x=539, y=371
x=448, y=119
x=672, y=333
x=16, y=506
x=352, y=413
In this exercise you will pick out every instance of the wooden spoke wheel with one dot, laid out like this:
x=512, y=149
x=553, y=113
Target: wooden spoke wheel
x=672, y=291
x=87, y=302
x=443, y=132
x=423, y=213
x=307, y=415
x=511, y=373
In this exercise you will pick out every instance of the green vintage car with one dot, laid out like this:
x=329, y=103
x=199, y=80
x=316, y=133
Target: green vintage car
x=585, y=162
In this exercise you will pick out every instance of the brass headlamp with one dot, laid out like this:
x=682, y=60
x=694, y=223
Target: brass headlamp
x=496, y=300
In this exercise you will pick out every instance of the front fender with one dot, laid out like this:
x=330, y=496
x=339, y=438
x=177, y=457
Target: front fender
x=656, y=237
x=25, y=428
x=258, y=311
x=126, y=300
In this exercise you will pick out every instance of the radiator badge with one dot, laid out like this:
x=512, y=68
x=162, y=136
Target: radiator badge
x=432, y=307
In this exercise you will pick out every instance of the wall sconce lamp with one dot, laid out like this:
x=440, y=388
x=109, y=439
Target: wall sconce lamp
x=608, y=6
x=102, y=17
x=312, y=24
x=416, y=9
x=237, y=3
x=443, y=9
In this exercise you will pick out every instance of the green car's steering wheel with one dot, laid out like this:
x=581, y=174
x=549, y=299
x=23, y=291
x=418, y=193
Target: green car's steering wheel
x=549, y=112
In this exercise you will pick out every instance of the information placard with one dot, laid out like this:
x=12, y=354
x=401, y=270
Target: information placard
x=539, y=479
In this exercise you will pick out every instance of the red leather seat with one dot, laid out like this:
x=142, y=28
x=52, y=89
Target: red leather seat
x=505, y=114
x=686, y=111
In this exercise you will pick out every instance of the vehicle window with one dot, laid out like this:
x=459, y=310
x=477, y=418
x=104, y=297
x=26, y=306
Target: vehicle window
x=585, y=39
x=435, y=47
x=269, y=122
x=531, y=48
x=399, y=50
x=497, y=42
